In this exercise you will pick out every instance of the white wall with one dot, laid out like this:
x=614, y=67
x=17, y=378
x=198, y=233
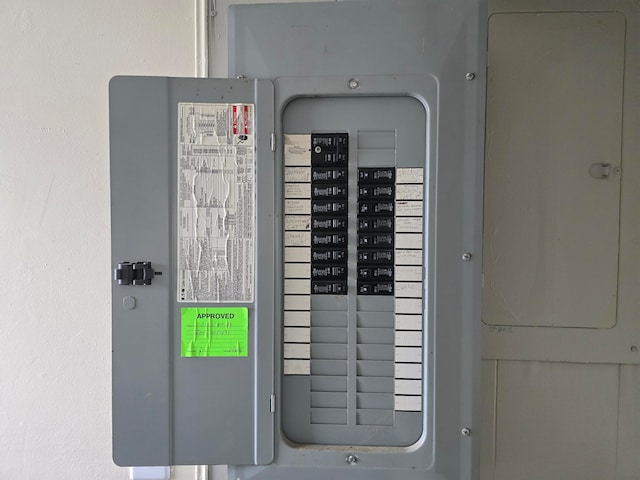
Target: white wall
x=55, y=375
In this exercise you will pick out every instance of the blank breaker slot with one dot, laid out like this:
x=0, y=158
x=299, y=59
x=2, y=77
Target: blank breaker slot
x=375, y=385
x=375, y=417
x=330, y=416
x=328, y=367
x=374, y=401
x=328, y=351
x=329, y=400
x=328, y=397
x=375, y=368
x=375, y=336
x=375, y=352
x=328, y=383
x=329, y=319
x=329, y=335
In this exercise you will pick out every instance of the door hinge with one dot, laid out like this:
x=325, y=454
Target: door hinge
x=273, y=142
x=272, y=404
x=136, y=273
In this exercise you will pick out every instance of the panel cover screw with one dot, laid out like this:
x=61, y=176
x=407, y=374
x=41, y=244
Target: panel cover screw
x=466, y=256
x=634, y=348
x=353, y=84
x=466, y=431
x=470, y=76
x=351, y=459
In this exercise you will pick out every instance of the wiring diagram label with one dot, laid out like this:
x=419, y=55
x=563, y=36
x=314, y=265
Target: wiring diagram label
x=216, y=202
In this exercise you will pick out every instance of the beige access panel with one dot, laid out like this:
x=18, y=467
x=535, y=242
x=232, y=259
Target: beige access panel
x=553, y=168
x=580, y=398
x=560, y=262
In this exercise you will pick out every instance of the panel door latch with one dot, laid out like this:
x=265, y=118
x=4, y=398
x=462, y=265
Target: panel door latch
x=600, y=171
x=134, y=273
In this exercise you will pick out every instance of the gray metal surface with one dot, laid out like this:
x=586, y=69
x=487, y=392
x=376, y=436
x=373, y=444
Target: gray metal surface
x=398, y=455
x=168, y=409
x=424, y=50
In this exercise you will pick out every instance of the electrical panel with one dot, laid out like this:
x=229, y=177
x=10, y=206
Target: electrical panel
x=296, y=274
x=354, y=224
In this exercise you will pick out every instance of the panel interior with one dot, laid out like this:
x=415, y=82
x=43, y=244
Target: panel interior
x=352, y=357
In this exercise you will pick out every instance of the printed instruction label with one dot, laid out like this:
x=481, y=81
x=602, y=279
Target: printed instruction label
x=216, y=202
x=214, y=332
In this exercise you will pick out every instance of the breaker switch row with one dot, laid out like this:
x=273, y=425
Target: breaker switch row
x=376, y=232
x=329, y=213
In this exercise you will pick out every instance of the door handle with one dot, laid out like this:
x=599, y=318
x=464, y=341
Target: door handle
x=600, y=171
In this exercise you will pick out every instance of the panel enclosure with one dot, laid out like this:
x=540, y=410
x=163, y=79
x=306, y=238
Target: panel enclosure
x=175, y=401
x=328, y=56
x=408, y=106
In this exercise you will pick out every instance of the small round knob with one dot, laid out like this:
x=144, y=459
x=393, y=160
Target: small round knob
x=129, y=302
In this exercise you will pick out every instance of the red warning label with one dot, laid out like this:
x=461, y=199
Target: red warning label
x=235, y=120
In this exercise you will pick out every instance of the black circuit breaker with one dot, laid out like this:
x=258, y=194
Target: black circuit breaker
x=376, y=195
x=329, y=213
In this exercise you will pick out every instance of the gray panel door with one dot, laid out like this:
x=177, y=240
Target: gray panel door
x=185, y=158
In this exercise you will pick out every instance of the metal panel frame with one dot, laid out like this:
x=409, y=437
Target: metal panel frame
x=425, y=90
x=446, y=42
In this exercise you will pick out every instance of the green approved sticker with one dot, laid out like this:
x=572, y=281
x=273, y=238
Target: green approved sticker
x=215, y=332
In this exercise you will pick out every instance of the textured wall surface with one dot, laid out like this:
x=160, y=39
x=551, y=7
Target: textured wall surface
x=55, y=372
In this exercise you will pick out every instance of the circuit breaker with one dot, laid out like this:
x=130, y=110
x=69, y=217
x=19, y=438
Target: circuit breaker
x=296, y=250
